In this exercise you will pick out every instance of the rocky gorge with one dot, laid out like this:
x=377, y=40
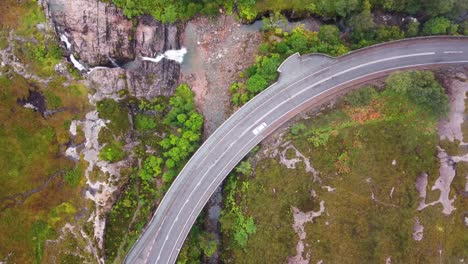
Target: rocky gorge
x=114, y=55
x=110, y=47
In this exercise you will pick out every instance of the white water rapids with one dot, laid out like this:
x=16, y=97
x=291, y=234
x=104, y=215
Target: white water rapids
x=175, y=55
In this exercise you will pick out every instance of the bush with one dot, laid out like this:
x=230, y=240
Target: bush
x=464, y=28
x=330, y=34
x=361, y=97
x=245, y=167
x=422, y=88
x=116, y=113
x=112, y=152
x=437, y=26
x=256, y=84
x=412, y=29
x=151, y=168
x=53, y=100
x=298, y=129
x=144, y=122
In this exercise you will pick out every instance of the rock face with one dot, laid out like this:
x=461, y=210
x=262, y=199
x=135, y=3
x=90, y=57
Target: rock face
x=146, y=78
x=97, y=30
x=102, y=37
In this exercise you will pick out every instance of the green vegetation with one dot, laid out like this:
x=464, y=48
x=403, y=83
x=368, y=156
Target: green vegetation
x=73, y=177
x=184, y=140
x=264, y=71
x=36, y=177
x=362, y=96
x=353, y=147
x=171, y=11
x=439, y=17
x=422, y=89
x=199, y=244
x=439, y=26
x=116, y=113
x=143, y=123
x=168, y=131
x=248, y=10
x=235, y=224
x=40, y=230
x=112, y=152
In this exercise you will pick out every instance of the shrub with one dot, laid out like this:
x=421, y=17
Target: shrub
x=116, y=113
x=436, y=26
x=112, y=152
x=245, y=167
x=151, y=168
x=422, y=88
x=256, y=84
x=361, y=97
x=144, y=122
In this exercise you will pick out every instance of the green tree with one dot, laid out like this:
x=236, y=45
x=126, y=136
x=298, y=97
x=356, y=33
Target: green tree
x=256, y=84
x=330, y=34
x=144, y=122
x=438, y=7
x=151, y=168
x=422, y=88
x=436, y=26
x=412, y=28
x=297, y=42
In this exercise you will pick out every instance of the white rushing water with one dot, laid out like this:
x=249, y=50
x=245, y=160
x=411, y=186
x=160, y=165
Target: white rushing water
x=66, y=41
x=77, y=64
x=175, y=55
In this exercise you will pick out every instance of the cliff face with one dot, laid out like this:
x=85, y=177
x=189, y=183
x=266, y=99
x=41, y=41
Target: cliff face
x=99, y=35
x=98, y=31
x=146, y=78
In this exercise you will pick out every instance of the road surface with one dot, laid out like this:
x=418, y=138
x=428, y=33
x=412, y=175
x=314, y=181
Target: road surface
x=304, y=81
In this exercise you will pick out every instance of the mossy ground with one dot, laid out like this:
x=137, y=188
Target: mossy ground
x=353, y=148
x=35, y=200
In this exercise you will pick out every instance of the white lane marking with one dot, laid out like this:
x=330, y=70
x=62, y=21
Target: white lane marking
x=201, y=147
x=204, y=194
x=270, y=98
x=302, y=91
x=314, y=73
x=260, y=105
x=154, y=240
x=453, y=52
x=315, y=84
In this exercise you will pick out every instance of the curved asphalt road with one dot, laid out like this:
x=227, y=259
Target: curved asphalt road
x=304, y=81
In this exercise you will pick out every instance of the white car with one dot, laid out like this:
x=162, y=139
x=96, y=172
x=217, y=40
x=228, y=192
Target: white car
x=259, y=128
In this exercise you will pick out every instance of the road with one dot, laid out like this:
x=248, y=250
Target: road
x=304, y=81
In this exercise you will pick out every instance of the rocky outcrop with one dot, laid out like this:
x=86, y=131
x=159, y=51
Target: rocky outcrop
x=97, y=30
x=153, y=38
x=99, y=35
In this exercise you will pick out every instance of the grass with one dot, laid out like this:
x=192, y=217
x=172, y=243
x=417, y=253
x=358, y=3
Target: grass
x=34, y=168
x=355, y=157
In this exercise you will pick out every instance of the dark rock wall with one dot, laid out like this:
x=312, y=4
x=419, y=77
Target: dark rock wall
x=100, y=35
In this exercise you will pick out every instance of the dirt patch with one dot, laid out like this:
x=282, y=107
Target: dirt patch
x=218, y=49
x=300, y=219
x=450, y=129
